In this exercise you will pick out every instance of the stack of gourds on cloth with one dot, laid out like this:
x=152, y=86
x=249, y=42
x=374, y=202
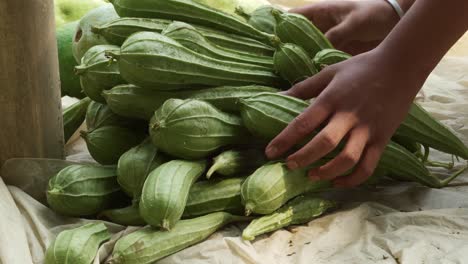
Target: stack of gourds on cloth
x=179, y=109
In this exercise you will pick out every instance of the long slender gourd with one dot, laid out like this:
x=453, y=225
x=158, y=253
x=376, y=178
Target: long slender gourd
x=193, y=129
x=135, y=165
x=214, y=196
x=297, y=29
x=272, y=185
x=96, y=73
x=152, y=60
x=148, y=245
x=293, y=63
x=117, y=31
x=194, y=40
x=83, y=190
x=267, y=114
x=106, y=144
x=135, y=102
x=236, y=162
x=188, y=11
x=298, y=211
x=77, y=246
x=74, y=116
x=166, y=191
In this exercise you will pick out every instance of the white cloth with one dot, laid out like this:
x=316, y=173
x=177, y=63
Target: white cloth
x=403, y=223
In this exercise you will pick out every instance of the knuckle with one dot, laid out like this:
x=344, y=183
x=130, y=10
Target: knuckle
x=349, y=158
x=302, y=125
x=328, y=141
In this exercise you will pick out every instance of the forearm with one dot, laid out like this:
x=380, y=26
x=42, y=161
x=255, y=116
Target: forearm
x=424, y=35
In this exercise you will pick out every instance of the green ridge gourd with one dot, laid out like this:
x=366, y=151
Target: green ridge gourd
x=151, y=60
x=193, y=129
x=118, y=30
x=293, y=64
x=83, y=190
x=329, y=57
x=100, y=115
x=267, y=114
x=297, y=29
x=188, y=11
x=128, y=216
x=74, y=116
x=148, y=245
x=135, y=165
x=166, y=191
x=96, y=73
x=77, y=246
x=106, y=144
x=298, y=211
x=272, y=185
x=261, y=18
x=237, y=162
x=192, y=39
x=214, y=196
x=135, y=102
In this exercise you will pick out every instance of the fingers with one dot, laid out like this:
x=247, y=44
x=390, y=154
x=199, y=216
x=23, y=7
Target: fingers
x=312, y=86
x=299, y=128
x=346, y=160
x=323, y=143
x=364, y=169
x=340, y=35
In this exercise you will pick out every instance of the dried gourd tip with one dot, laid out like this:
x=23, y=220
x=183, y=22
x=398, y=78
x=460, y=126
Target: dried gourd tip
x=249, y=208
x=79, y=70
x=277, y=15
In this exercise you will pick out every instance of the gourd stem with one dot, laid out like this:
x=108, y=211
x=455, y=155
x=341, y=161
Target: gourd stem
x=212, y=170
x=446, y=182
x=241, y=12
x=79, y=70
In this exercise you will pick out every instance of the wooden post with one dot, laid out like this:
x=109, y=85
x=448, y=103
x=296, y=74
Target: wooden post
x=30, y=107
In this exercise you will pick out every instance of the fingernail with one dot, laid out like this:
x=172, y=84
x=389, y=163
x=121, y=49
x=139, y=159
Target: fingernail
x=272, y=151
x=292, y=165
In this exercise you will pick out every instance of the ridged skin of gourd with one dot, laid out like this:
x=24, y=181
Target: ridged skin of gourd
x=154, y=61
x=298, y=211
x=166, y=191
x=83, y=190
x=135, y=165
x=118, y=30
x=299, y=30
x=194, y=40
x=201, y=127
x=293, y=64
x=139, y=103
x=214, y=196
x=188, y=11
x=273, y=185
x=77, y=246
x=100, y=115
x=106, y=144
x=149, y=245
x=96, y=73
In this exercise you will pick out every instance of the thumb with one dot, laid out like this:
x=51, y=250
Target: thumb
x=341, y=34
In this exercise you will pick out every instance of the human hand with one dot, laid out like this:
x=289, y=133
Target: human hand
x=352, y=26
x=361, y=101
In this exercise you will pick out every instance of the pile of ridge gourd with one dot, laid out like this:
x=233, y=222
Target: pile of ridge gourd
x=186, y=92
